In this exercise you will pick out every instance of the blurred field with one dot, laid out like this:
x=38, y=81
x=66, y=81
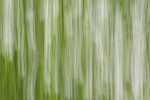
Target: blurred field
x=74, y=49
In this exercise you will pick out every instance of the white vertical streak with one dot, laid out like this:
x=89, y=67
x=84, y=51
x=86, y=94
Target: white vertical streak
x=8, y=28
x=47, y=46
x=69, y=56
x=138, y=49
x=100, y=29
x=118, y=55
x=88, y=52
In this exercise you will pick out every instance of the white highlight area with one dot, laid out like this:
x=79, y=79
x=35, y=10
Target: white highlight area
x=138, y=49
x=8, y=40
x=118, y=55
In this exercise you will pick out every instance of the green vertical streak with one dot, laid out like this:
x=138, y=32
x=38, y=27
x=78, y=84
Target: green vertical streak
x=61, y=49
x=127, y=42
x=39, y=31
x=147, y=54
x=24, y=82
x=1, y=58
x=20, y=53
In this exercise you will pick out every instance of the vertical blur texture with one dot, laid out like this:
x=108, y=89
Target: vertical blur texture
x=74, y=49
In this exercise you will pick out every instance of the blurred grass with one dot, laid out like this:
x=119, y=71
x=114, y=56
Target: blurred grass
x=66, y=50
